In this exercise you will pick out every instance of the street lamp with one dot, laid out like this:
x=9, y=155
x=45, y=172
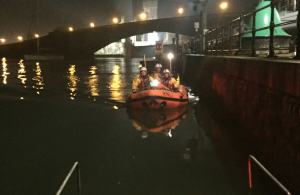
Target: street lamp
x=71, y=29
x=143, y=16
x=180, y=10
x=92, y=24
x=223, y=5
x=2, y=40
x=170, y=56
x=115, y=20
x=20, y=38
x=37, y=35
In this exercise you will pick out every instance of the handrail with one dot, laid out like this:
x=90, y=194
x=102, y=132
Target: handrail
x=215, y=39
x=266, y=171
x=76, y=165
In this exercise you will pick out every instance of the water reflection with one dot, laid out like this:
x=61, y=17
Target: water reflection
x=116, y=84
x=93, y=81
x=4, y=71
x=22, y=72
x=156, y=120
x=38, y=78
x=73, y=79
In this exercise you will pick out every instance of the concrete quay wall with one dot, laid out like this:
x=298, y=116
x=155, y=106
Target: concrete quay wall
x=263, y=96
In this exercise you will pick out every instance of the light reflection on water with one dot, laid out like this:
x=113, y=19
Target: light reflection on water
x=73, y=79
x=116, y=84
x=39, y=80
x=22, y=72
x=4, y=71
x=92, y=83
x=106, y=79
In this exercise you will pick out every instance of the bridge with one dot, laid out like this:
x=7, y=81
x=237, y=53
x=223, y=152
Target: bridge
x=85, y=42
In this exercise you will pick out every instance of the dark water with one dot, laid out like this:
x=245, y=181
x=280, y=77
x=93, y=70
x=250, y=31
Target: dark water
x=56, y=113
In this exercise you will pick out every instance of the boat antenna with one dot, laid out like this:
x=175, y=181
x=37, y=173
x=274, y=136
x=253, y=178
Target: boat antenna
x=145, y=61
x=37, y=27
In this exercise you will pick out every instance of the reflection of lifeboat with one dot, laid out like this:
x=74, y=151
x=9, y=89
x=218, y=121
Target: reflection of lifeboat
x=157, y=120
x=158, y=97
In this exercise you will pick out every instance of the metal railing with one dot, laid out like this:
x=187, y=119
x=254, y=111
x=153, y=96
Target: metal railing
x=76, y=165
x=218, y=40
x=266, y=171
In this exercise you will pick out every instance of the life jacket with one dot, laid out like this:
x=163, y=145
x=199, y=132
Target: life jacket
x=144, y=82
x=159, y=74
x=167, y=82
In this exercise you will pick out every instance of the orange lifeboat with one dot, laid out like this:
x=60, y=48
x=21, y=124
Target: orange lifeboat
x=158, y=97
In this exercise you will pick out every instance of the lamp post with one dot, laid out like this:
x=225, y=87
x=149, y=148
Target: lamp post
x=170, y=56
x=71, y=29
x=20, y=38
x=2, y=40
x=92, y=24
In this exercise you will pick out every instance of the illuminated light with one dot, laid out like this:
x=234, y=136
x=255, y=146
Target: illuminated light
x=20, y=38
x=94, y=100
x=116, y=107
x=170, y=56
x=21, y=98
x=115, y=20
x=37, y=35
x=180, y=10
x=154, y=83
x=143, y=16
x=92, y=24
x=72, y=98
x=38, y=92
x=2, y=40
x=223, y=5
x=71, y=29
x=140, y=66
x=33, y=86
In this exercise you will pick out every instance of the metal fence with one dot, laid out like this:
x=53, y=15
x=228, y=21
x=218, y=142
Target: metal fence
x=228, y=39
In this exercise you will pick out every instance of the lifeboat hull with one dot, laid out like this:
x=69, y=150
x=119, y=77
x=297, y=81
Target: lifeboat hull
x=157, y=98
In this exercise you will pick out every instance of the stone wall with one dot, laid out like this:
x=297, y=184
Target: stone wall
x=263, y=96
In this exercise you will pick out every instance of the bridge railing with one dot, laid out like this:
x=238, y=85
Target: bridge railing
x=228, y=39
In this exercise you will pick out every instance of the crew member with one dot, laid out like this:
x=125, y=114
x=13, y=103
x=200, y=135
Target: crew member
x=169, y=81
x=157, y=72
x=141, y=81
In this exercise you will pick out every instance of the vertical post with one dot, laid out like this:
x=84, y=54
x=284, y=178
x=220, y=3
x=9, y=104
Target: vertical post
x=211, y=42
x=253, y=49
x=240, y=32
x=271, y=44
x=230, y=34
x=249, y=172
x=298, y=35
x=78, y=180
x=37, y=28
x=217, y=41
x=177, y=45
x=206, y=43
x=223, y=39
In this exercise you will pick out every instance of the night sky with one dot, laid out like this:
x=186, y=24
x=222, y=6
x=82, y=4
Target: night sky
x=16, y=15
